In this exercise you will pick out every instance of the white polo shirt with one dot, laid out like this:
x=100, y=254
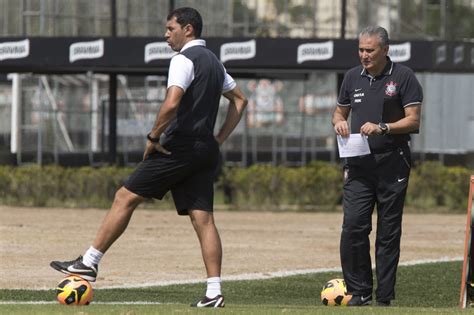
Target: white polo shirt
x=181, y=71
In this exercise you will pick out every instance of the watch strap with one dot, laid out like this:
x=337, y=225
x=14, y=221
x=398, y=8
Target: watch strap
x=384, y=128
x=151, y=139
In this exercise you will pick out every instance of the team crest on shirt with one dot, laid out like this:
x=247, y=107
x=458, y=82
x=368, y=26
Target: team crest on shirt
x=391, y=88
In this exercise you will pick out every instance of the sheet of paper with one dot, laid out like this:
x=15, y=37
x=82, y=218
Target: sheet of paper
x=354, y=145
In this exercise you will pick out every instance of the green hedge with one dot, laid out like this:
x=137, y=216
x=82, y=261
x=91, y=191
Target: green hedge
x=264, y=186
x=59, y=186
x=315, y=186
x=433, y=185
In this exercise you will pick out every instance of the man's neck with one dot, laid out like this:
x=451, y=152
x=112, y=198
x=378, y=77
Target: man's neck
x=378, y=71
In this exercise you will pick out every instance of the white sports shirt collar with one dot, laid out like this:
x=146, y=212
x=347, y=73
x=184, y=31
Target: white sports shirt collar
x=194, y=42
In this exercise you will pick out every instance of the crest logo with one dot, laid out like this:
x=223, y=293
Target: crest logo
x=391, y=88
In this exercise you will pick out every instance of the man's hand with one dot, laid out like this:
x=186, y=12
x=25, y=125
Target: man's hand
x=152, y=147
x=342, y=128
x=369, y=129
x=219, y=140
x=164, y=117
x=339, y=120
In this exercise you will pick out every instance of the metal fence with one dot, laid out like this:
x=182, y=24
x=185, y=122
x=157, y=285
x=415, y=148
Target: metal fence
x=287, y=120
x=284, y=137
x=295, y=140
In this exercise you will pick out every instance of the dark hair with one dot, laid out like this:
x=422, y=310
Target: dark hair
x=378, y=31
x=185, y=16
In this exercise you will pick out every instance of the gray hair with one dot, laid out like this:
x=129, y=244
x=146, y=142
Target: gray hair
x=378, y=31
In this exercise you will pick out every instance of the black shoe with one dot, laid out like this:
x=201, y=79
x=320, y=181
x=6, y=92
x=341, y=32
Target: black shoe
x=76, y=268
x=218, y=301
x=383, y=303
x=360, y=300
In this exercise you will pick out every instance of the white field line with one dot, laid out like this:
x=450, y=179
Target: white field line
x=250, y=276
x=276, y=274
x=259, y=275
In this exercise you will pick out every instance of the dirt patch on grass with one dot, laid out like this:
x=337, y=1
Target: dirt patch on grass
x=160, y=246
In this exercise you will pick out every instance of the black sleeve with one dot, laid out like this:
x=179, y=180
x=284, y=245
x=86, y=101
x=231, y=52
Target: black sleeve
x=344, y=98
x=411, y=91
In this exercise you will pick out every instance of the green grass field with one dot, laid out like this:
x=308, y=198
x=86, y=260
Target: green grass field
x=421, y=289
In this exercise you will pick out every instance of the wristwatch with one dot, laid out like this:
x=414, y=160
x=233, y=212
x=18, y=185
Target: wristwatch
x=384, y=127
x=154, y=140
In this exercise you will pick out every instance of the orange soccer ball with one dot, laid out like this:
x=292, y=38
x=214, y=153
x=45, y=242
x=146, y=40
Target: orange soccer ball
x=74, y=290
x=334, y=293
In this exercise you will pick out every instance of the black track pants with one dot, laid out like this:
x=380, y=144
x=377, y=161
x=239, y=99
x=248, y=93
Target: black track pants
x=382, y=180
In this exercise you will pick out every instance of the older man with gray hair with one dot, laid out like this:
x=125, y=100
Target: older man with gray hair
x=384, y=99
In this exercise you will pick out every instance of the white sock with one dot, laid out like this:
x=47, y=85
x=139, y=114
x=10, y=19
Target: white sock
x=213, y=287
x=92, y=257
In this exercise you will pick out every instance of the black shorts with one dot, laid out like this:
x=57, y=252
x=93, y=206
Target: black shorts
x=188, y=172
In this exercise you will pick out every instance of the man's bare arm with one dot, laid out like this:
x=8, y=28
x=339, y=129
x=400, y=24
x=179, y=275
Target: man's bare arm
x=237, y=104
x=409, y=123
x=165, y=115
x=339, y=120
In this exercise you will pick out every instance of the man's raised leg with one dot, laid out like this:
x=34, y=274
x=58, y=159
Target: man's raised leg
x=114, y=224
x=117, y=219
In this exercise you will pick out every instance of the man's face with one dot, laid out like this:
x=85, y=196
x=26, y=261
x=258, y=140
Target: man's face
x=175, y=34
x=372, y=55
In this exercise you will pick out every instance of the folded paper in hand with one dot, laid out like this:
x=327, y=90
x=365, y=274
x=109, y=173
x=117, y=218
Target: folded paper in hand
x=354, y=145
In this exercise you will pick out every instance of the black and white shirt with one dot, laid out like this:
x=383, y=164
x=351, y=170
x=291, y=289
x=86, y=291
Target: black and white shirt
x=380, y=99
x=203, y=78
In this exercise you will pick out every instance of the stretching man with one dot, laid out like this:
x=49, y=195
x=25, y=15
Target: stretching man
x=181, y=153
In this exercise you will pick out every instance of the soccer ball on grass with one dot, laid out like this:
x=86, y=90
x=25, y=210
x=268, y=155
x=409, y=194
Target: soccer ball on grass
x=74, y=290
x=334, y=293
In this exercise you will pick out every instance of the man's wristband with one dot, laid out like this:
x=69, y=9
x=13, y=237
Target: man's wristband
x=154, y=140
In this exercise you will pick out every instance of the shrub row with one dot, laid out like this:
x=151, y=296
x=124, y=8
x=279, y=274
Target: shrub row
x=432, y=185
x=315, y=186
x=59, y=186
